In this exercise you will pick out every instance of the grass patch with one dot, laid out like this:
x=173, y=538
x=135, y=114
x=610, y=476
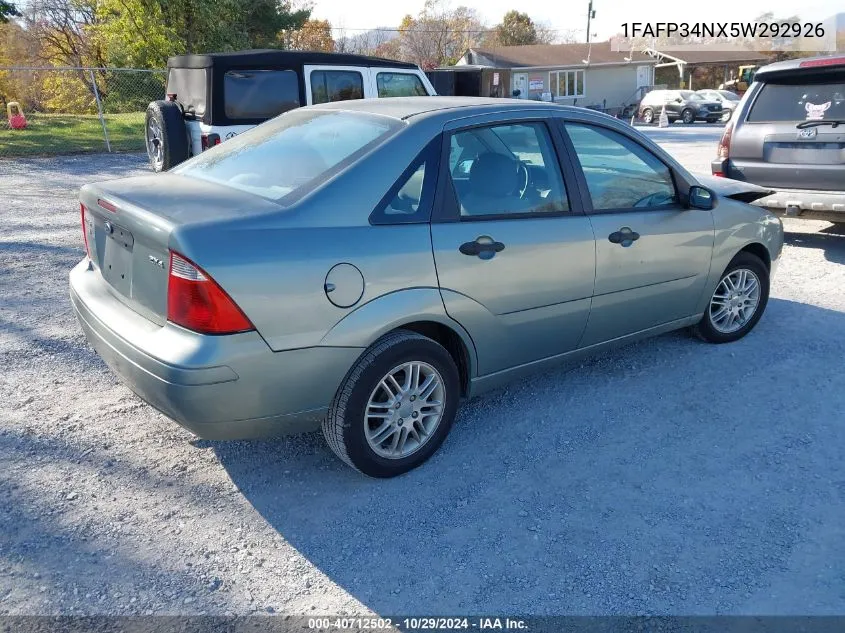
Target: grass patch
x=48, y=134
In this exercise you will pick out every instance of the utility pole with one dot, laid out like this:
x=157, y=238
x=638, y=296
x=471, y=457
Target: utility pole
x=590, y=15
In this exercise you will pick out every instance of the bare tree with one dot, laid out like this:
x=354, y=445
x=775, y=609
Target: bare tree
x=367, y=42
x=439, y=35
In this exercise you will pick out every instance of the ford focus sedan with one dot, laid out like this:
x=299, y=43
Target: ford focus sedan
x=365, y=266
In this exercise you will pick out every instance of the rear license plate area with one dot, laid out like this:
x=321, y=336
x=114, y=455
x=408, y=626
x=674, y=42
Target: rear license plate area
x=117, y=257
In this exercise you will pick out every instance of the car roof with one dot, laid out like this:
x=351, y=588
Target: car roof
x=270, y=57
x=823, y=63
x=408, y=108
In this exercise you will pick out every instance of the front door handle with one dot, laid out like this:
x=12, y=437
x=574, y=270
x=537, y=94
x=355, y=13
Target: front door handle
x=624, y=237
x=483, y=247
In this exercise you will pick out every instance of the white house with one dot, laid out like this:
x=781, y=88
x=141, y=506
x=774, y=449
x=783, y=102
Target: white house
x=574, y=74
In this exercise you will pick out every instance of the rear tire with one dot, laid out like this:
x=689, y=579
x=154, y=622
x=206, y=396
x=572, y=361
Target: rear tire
x=166, y=135
x=688, y=116
x=714, y=326
x=364, y=418
x=648, y=116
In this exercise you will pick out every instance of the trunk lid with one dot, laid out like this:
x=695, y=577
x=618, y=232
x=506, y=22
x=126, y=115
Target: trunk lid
x=129, y=223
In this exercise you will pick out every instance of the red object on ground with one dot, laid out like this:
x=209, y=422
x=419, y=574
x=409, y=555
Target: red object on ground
x=17, y=121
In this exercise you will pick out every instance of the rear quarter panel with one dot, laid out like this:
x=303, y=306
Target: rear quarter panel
x=275, y=266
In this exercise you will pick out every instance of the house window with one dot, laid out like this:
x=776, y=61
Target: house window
x=567, y=83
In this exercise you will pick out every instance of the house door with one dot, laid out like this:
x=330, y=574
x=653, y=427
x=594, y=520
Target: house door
x=520, y=82
x=643, y=76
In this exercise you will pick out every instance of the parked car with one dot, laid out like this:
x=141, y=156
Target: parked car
x=363, y=266
x=684, y=105
x=788, y=134
x=214, y=97
x=729, y=101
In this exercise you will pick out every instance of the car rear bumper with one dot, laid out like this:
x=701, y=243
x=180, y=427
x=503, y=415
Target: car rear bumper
x=798, y=201
x=218, y=387
x=803, y=203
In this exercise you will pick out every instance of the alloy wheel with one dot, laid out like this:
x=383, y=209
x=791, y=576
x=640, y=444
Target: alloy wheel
x=735, y=300
x=404, y=410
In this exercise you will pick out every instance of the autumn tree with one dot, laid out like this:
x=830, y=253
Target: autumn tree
x=516, y=29
x=315, y=35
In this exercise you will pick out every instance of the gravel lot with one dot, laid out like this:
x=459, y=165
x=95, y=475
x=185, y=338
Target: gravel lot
x=669, y=477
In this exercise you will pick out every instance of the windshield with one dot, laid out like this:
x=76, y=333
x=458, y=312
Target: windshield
x=802, y=100
x=691, y=96
x=292, y=151
x=730, y=96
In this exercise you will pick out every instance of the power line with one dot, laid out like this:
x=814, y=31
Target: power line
x=480, y=30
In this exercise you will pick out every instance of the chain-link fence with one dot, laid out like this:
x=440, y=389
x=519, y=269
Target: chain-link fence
x=70, y=110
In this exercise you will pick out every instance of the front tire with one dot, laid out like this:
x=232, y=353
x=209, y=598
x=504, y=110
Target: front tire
x=395, y=406
x=738, y=301
x=688, y=116
x=726, y=116
x=648, y=116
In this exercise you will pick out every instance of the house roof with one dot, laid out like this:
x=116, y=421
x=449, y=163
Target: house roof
x=550, y=55
x=696, y=55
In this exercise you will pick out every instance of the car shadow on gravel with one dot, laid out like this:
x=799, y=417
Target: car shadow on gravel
x=58, y=548
x=670, y=476
x=830, y=240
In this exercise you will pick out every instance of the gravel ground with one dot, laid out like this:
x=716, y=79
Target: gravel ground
x=669, y=477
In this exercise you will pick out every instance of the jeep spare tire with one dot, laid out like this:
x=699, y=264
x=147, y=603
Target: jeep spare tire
x=166, y=135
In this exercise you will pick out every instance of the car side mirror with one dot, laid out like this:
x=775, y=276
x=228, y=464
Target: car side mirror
x=701, y=198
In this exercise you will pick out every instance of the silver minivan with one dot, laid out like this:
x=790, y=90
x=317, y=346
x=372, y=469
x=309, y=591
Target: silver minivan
x=788, y=134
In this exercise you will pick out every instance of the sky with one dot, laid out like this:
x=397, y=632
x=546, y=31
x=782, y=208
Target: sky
x=610, y=14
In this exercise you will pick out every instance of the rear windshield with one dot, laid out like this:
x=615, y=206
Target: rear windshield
x=297, y=150
x=800, y=100
x=259, y=94
x=189, y=86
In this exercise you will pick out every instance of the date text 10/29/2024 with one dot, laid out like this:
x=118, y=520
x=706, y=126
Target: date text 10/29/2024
x=418, y=624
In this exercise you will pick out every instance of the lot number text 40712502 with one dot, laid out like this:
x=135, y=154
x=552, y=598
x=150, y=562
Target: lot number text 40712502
x=419, y=623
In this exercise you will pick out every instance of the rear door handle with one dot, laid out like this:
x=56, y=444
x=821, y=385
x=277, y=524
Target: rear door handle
x=484, y=247
x=624, y=237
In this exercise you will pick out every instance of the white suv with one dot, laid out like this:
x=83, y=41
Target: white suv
x=213, y=97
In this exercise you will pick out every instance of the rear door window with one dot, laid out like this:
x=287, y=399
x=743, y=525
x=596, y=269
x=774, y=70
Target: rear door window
x=336, y=85
x=259, y=94
x=399, y=85
x=508, y=169
x=799, y=100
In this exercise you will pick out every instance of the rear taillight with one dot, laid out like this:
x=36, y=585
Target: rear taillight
x=84, y=231
x=108, y=206
x=196, y=302
x=724, y=150
x=827, y=61
x=209, y=140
